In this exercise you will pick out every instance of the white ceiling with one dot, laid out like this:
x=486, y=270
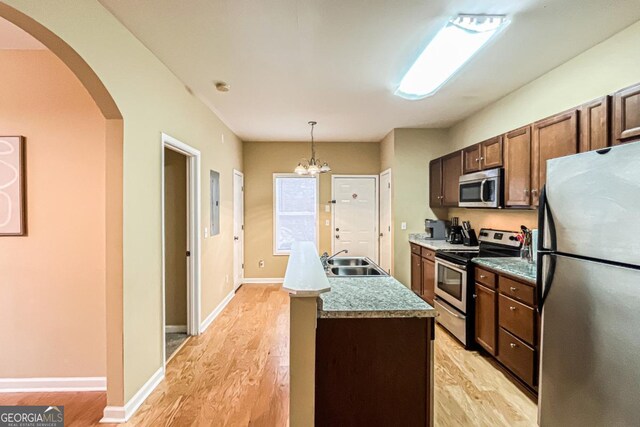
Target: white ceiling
x=339, y=61
x=12, y=37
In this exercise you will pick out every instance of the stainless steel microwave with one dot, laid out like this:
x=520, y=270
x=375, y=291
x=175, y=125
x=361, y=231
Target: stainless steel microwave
x=481, y=189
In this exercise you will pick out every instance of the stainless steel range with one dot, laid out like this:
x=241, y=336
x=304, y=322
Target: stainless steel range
x=454, y=281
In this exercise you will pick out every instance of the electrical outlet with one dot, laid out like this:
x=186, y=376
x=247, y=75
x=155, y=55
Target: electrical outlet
x=327, y=222
x=261, y=263
x=222, y=138
x=403, y=225
x=206, y=232
x=327, y=208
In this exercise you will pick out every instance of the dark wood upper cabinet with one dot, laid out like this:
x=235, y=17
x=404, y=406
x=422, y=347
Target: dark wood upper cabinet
x=428, y=280
x=486, y=321
x=435, y=183
x=517, y=167
x=491, y=153
x=626, y=115
x=553, y=137
x=471, y=158
x=451, y=171
x=595, y=125
x=416, y=273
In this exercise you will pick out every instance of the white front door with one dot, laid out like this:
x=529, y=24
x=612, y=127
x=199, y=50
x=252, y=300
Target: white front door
x=355, y=215
x=238, y=228
x=386, y=245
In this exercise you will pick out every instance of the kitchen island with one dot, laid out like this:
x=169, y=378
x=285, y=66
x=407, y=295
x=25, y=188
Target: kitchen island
x=365, y=356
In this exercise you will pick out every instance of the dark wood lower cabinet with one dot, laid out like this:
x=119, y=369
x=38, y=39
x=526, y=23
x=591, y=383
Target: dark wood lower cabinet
x=360, y=379
x=416, y=273
x=507, y=324
x=428, y=280
x=486, y=322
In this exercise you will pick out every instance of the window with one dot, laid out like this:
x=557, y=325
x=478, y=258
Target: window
x=295, y=211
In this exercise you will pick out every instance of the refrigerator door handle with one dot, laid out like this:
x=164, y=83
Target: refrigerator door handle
x=543, y=284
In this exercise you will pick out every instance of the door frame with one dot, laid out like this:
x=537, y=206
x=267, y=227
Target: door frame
x=376, y=179
x=194, y=245
x=241, y=237
x=390, y=233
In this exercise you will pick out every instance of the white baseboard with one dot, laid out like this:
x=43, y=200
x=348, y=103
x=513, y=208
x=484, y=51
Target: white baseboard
x=262, y=280
x=121, y=414
x=211, y=317
x=52, y=384
x=175, y=329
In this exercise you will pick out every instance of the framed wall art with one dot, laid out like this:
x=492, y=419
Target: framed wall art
x=12, y=186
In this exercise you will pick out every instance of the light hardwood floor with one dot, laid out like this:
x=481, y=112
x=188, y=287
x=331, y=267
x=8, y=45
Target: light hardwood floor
x=236, y=374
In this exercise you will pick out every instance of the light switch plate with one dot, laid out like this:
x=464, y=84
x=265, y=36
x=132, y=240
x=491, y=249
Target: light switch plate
x=403, y=225
x=327, y=208
x=327, y=222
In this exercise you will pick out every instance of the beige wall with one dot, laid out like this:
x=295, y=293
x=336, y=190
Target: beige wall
x=152, y=100
x=261, y=161
x=175, y=237
x=603, y=69
x=412, y=151
x=52, y=282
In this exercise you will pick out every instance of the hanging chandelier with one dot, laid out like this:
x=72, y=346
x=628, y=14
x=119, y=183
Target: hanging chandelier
x=312, y=166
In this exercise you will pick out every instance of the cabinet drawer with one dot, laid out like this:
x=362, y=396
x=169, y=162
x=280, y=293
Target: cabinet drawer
x=517, y=290
x=428, y=254
x=516, y=318
x=415, y=249
x=517, y=356
x=485, y=277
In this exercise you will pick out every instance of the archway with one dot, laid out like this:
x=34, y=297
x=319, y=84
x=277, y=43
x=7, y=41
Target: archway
x=113, y=192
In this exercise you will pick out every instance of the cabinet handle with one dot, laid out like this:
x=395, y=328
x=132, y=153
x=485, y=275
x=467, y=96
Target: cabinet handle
x=481, y=158
x=513, y=289
x=526, y=192
x=534, y=191
x=477, y=159
x=482, y=276
x=513, y=345
x=512, y=308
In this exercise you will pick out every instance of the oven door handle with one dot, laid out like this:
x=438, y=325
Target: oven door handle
x=456, y=315
x=484, y=181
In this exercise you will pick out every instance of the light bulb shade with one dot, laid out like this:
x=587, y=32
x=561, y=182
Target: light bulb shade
x=300, y=170
x=313, y=169
x=325, y=168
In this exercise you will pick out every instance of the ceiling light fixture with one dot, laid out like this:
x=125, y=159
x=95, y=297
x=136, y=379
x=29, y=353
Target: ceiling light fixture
x=460, y=39
x=222, y=87
x=312, y=166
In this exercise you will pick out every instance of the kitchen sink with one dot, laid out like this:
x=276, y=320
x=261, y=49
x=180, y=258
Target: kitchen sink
x=353, y=266
x=354, y=271
x=348, y=262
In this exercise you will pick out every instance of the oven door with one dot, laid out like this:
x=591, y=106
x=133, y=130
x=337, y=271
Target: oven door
x=451, y=284
x=480, y=190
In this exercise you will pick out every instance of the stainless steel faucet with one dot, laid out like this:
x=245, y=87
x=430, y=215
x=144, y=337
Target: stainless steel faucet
x=325, y=258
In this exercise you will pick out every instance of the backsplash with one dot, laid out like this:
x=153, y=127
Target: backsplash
x=498, y=219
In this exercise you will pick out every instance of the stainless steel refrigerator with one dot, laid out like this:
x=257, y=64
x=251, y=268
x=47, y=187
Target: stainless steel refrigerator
x=589, y=289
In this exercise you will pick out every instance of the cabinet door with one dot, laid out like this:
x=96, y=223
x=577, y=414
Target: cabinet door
x=553, y=137
x=451, y=171
x=486, y=325
x=595, y=124
x=435, y=183
x=626, y=115
x=416, y=274
x=517, y=167
x=428, y=280
x=491, y=153
x=471, y=159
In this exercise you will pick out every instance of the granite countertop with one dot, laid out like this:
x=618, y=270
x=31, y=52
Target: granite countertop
x=513, y=266
x=305, y=276
x=420, y=239
x=372, y=297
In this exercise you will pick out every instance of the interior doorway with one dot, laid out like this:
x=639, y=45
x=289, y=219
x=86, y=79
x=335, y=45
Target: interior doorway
x=355, y=215
x=238, y=229
x=180, y=244
x=386, y=235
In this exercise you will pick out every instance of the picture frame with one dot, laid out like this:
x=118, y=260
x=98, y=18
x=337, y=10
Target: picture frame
x=13, y=207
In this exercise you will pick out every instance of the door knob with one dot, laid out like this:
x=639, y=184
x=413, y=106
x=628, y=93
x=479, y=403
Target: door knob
x=235, y=237
x=337, y=229
x=337, y=236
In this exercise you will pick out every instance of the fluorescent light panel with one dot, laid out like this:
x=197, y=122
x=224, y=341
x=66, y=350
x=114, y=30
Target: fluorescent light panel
x=449, y=50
